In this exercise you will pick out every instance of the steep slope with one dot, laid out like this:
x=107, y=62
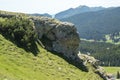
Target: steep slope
x=73, y=11
x=17, y=64
x=23, y=40
x=95, y=25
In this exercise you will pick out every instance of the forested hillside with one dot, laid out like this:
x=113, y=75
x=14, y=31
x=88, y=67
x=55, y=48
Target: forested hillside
x=107, y=53
x=96, y=25
x=103, y=29
x=74, y=11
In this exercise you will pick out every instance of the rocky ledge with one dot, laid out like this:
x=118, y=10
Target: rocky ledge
x=61, y=37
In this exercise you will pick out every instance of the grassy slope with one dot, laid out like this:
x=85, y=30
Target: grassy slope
x=112, y=70
x=17, y=64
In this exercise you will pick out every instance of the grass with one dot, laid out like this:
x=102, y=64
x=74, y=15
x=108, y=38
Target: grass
x=112, y=70
x=17, y=64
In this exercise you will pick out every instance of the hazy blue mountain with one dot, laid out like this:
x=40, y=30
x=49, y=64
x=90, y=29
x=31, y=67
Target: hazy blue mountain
x=77, y=10
x=45, y=14
x=95, y=25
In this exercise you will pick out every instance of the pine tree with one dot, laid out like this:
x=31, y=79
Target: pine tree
x=118, y=75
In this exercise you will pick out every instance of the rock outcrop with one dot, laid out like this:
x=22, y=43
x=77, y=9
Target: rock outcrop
x=93, y=62
x=61, y=37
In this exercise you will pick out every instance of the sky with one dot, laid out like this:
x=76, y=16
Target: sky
x=51, y=6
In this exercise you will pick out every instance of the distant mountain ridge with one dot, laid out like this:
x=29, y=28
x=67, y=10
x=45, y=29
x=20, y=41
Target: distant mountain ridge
x=95, y=25
x=77, y=10
x=45, y=14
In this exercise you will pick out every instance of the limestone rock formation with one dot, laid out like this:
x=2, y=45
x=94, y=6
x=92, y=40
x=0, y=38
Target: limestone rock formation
x=94, y=62
x=61, y=37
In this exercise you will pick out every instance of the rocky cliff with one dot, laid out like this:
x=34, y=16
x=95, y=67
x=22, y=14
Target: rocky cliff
x=61, y=37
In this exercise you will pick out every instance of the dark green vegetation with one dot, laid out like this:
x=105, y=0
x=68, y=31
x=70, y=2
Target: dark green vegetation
x=19, y=29
x=18, y=61
x=107, y=53
x=113, y=38
x=96, y=25
x=118, y=75
x=73, y=11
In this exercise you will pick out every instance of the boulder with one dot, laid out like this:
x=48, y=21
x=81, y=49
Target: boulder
x=61, y=37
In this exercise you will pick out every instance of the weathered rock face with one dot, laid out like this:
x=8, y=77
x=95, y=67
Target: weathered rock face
x=93, y=62
x=61, y=37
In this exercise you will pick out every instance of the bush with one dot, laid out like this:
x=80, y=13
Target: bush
x=19, y=29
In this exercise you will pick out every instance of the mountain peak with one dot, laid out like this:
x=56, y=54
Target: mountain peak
x=82, y=6
x=77, y=10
